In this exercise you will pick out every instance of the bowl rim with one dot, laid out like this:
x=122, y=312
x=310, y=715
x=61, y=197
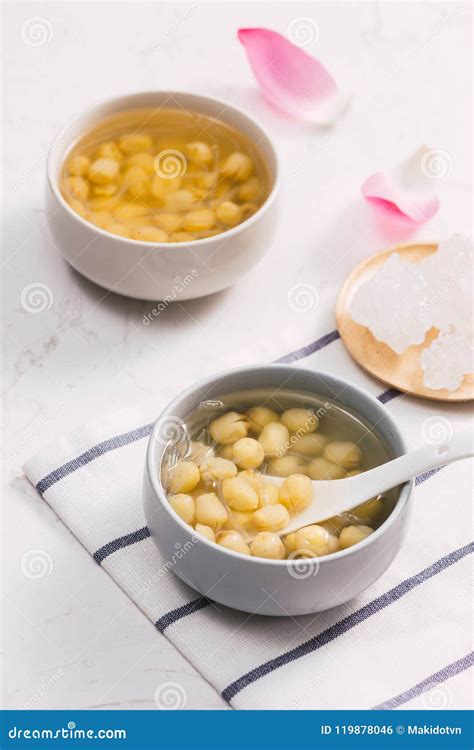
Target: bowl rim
x=159, y=492
x=60, y=138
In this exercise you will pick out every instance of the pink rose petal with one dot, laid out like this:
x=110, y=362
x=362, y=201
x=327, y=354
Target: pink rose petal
x=408, y=187
x=293, y=81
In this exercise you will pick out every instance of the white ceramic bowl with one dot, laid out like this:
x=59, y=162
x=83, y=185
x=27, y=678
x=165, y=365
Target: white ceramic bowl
x=160, y=271
x=244, y=582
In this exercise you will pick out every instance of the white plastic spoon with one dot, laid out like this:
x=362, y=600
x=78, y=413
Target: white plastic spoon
x=335, y=496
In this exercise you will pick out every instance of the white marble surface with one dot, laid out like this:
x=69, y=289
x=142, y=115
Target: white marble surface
x=72, y=639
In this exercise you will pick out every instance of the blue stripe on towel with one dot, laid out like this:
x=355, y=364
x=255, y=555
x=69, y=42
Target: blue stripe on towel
x=388, y=395
x=305, y=351
x=177, y=614
x=346, y=624
x=123, y=541
x=430, y=683
x=90, y=455
x=427, y=475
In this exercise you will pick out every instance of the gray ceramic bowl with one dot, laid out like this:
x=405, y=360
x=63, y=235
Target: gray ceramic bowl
x=244, y=582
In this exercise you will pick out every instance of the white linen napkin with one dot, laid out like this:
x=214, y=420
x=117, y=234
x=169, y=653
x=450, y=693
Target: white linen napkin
x=404, y=642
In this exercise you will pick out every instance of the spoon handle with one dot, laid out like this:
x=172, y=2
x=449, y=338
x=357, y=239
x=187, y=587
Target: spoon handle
x=372, y=483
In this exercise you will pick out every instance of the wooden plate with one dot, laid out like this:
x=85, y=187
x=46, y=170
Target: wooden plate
x=401, y=371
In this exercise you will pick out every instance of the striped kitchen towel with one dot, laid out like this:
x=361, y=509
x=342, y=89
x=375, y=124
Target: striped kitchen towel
x=404, y=642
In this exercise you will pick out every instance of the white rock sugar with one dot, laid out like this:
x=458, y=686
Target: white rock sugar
x=404, y=300
x=447, y=360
